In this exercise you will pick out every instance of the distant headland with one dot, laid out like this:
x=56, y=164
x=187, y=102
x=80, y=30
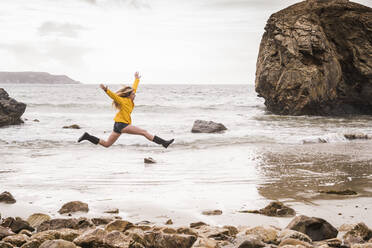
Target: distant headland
x=29, y=77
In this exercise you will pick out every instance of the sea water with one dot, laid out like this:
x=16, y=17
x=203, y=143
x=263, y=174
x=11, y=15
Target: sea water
x=261, y=157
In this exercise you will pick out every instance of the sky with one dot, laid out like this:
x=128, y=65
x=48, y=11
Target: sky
x=167, y=41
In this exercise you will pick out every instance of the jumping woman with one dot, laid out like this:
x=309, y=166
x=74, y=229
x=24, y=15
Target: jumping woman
x=123, y=101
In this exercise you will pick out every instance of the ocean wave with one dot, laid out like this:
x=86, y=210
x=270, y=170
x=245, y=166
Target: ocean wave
x=183, y=142
x=68, y=105
x=329, y=138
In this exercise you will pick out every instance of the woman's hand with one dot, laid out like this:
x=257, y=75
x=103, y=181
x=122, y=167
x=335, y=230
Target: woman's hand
x=103, y=87
x=137, y=75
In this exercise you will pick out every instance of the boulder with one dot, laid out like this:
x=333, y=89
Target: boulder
x=67, y=234
x=250, y=241
x=10, y=110
x=17, y=240
x=316, y=228
x=292, y=234
x=101, y=221
x=116, y=239
x=268, y=235
x=72, y=223
x=36, y=219
x=233, y=231
x=17, y=224
x=91, y=238
x=360, y=233
x=295, y=242
x=185, y=230
x=207, y=127
x=5, y=245
x=337, y=243
x=161, y=240
x=118, y=225
x=169, y=230
x=26, y=232
x=315, y=59
x=38, y=238
x=32, y=244
x=277, y=209
x=7, y=197
x=74, y=206
x=5, y=232
x=58, y=243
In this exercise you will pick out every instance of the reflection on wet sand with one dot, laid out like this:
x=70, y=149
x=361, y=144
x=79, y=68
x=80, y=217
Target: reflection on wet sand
x=299, y=173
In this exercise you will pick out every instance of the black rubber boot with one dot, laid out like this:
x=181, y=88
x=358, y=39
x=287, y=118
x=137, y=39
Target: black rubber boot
x=162, y=142
x=91, y=138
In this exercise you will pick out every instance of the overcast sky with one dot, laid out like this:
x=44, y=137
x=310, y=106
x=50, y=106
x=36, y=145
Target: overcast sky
x=168, y=41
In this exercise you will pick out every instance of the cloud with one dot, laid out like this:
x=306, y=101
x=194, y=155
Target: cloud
x=137, y=4
x=60, y=29
x=37, y=54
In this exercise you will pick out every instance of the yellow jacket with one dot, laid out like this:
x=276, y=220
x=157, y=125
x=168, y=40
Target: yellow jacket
x=126, y=105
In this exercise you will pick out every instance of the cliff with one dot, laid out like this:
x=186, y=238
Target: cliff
x=34, y=78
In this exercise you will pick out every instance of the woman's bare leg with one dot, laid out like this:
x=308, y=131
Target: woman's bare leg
x=111, y=139
x=130, y=129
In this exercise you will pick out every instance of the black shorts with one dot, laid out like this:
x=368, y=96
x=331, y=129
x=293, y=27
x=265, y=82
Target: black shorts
x=118, y=126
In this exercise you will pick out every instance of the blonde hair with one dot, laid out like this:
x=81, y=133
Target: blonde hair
x=123, y=92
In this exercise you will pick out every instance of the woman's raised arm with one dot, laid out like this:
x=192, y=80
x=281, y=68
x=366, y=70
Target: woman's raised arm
x=136, y=81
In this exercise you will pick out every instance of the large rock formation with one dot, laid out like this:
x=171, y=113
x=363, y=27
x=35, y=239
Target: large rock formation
x=29, y=77
x=315, y=58
x=10, y=110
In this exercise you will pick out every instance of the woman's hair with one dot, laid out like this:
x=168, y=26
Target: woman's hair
x=123, y=92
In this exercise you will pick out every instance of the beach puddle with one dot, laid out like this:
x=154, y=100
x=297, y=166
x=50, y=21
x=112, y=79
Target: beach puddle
x=302, y=173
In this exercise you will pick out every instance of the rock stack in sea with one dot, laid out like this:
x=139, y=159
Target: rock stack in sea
x=10, y=110
x=315, y=59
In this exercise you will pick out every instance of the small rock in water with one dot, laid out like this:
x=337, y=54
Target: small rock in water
x=169, y=222
x=7, y=197
x=36, y=120
x=74, y=206
x=74, y=126
x=149, y=160
x=207, y=127
x=274, y=209
x=339, y=192
x=112, y=211
x=212, y=212
x=353, y=136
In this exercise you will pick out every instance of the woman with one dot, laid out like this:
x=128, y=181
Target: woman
x=123, y=101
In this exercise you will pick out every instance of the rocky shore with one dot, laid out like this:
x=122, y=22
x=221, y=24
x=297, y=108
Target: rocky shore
x=41, y=231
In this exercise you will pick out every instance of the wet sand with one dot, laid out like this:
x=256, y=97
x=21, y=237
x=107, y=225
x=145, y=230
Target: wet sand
x=180, y=188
